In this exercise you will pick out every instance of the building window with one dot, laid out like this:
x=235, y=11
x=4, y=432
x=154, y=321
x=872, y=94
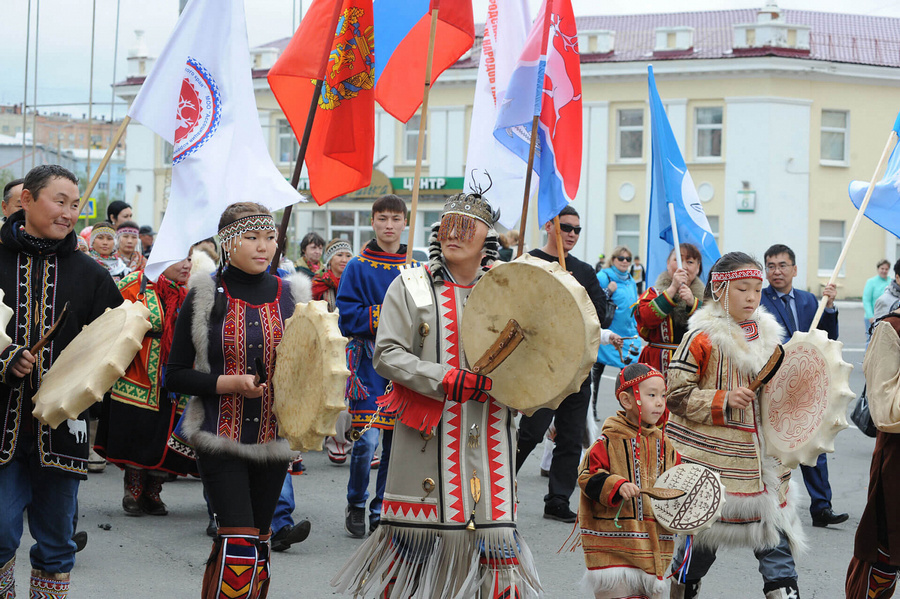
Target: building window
x=168, y=152
x=835, y=129
x=411, y=140
x=628, y=232
x=287, y=143
x=630, y=134
x=713, y=221
x=353, y=225
x=831, y=240
x=708, y=132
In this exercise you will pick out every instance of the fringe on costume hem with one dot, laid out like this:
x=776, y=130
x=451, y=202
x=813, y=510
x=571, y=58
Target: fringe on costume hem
x=635, y=580
x=773, y=518
x=413, y=409
x=437, y=564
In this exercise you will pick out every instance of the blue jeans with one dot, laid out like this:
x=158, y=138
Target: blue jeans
x=49, y=497
x=285, y=506
x=361, y=465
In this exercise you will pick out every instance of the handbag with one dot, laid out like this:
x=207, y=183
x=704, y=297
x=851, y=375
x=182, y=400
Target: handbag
x=861, y=417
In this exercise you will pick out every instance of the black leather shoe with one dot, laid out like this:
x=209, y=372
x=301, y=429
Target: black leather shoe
x=80, y=539
x=560, y=512
x=287, y=536
x=827, y=516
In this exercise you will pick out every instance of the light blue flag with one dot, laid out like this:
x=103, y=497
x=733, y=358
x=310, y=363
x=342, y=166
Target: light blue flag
x=671, y=183
x=884, y=205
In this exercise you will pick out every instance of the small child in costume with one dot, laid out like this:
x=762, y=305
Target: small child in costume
x=715, y=422
x=626, y=552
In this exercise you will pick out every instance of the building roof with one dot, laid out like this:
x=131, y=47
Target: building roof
x=833, y=37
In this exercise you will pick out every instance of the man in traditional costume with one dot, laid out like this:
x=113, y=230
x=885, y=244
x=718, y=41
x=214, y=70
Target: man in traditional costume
x=12, y=198
x=874, y=567
x=365, y=280
x=41, y=270
x=449, y=526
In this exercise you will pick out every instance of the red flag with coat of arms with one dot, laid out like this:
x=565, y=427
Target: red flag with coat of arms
x=342, y=140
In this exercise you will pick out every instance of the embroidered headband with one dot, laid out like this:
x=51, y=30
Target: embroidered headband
x=734, y=275
x=127, y=231
x=254, y=222
x=102, y=228
x=643, y=373
x=335, y=248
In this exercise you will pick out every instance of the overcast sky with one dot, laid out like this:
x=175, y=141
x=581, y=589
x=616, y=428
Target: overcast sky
x=64, y=57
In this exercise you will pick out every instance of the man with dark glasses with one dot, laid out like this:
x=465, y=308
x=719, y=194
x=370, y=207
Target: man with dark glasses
x=571, y=413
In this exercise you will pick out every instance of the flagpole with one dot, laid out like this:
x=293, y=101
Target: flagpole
x=304, y=143
x=423, y=129
x=559, y=243
x=109, y=152
x=545, y=37
x=892, y=139
x=675, y=233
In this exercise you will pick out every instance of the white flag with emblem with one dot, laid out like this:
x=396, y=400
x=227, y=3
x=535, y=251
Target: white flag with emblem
x=199, y=98
x=505, y=30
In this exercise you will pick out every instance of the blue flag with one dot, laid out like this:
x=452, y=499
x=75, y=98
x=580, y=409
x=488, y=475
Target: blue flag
x=884, y=205
x=671, y=183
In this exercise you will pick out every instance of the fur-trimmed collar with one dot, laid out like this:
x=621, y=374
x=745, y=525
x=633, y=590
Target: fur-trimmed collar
x=665, y=279
x=723, y=331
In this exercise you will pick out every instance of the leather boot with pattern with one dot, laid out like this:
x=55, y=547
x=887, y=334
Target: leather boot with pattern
x=150, y=501
x=134, y=486
x=263, y=566
x=45, y=585
x=231, y=568
x=782, y=589
x=7, y=580
x=684, y=590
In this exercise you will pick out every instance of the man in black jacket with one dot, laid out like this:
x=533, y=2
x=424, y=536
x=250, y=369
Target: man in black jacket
x=40, y=468
x=572, y=412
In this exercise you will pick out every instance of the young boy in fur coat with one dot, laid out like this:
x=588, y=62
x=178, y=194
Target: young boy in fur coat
x=715, y=422
x=627, y=553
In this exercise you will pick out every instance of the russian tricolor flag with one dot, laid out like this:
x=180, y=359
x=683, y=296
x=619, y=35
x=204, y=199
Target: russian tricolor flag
x=402, y=29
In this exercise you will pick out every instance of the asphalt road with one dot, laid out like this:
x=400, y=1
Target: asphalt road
x=150, y=557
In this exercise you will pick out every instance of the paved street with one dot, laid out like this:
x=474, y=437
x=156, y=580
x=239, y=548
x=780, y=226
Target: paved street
x=164, y=556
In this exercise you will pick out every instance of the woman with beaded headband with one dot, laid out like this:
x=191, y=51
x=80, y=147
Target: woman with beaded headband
x=448, y=524
x=715, y=422
x=128, y=246
x=228, y=324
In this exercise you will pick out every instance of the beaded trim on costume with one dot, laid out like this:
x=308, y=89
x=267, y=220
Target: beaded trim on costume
x=637, y=380
x=744, y=273
x=331, y=252
x=102, y=228
x=127, y=231
x=254, y=222
x=751, y=329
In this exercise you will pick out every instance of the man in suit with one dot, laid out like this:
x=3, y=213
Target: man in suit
x=795, y=310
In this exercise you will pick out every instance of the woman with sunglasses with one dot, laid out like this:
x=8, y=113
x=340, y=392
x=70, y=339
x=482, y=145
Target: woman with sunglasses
x=621, y=289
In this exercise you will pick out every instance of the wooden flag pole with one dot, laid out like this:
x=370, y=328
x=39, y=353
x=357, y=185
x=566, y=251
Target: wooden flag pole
x=892, y=140
x=423, y=129
x=304, y=143
x=559, y=243
x=675, y=234
x=109, y=152
x=545, y=37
